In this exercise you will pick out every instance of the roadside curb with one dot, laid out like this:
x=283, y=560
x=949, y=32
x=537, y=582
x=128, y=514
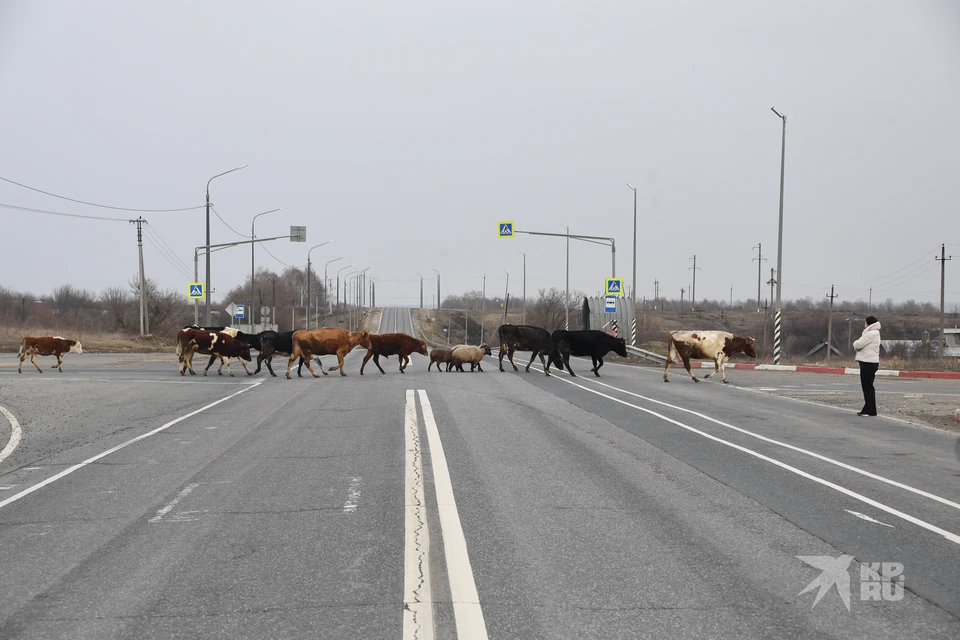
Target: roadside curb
x=944, y=375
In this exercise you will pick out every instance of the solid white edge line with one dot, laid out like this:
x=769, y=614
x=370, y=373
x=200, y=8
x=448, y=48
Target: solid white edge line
x=463, y=590
x=812, y=454
x=15, y=434
x=952, y=537
x=417, y=596
x=89, y=461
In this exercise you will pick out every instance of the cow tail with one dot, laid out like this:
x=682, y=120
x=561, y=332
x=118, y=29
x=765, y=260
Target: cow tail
x=179, y=348
x=23, y=348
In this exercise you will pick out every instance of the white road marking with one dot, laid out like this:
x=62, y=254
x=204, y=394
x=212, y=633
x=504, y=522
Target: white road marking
x=864, y=516
x=353, y=495
x=11, y=486
x=32, y=468
x=89, y=461
x=170, y=505
x=15, y=433
x=417, y=597
x=812, y=454
x=952, y=537
x=463, y=589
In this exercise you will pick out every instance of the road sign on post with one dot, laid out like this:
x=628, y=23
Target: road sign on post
x=194, y=290
x=298, y=234
x=231, y=309
x=614, y=286
x=505, y=229
x=239, y=313
x=610, y=304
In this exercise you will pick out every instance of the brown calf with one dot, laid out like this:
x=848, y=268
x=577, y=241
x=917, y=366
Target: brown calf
x=46, y=346
x=393, y=344
x=326, y=342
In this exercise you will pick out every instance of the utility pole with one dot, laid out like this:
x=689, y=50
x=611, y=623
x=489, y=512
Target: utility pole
x=760, y=260
x=943, y=272
x=693, y=291
x=778, y=313
x=524, y=319
x=144, y=316
x=682, y=291
x=830, y=324
x=772, y=281
x=566, y=299
x=421, y=289
x=633, y=283
x=656, y=292
x=731, y=299
x=483, y=308
x=870, y=300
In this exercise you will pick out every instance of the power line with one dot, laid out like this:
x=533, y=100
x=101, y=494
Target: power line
x=170, y=250
x=94, y=204
x=59, y=213
x=163, y=255
x=891, y=285
x=226, y=225
x=876, y=280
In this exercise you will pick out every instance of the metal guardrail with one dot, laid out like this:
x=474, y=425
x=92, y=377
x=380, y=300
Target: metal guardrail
x=649, y=355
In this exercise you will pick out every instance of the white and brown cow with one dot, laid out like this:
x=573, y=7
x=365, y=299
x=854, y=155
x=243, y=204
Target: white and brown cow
x=214, y=343
x=46, y=346
x=705, y=345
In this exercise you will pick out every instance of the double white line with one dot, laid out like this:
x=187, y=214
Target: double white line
x=417, y=593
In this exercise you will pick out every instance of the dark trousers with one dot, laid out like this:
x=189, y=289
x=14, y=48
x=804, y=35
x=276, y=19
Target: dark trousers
x=868, y=371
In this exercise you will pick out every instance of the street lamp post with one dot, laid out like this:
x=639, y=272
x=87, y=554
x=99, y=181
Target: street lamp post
x=566, y=299
x=325, y=298
x=310, y=278
x=421, y=289
x=338, y=287
x=777, y=312
x=634, y=283
x=206, y=285
x=524, y=320
x=253, y=236
x=438, y=288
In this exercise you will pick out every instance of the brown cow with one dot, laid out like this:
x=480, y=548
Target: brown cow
x=46, y=346
x=713, y=345
x=214, y=343
x=326, y=342
x=393, y=344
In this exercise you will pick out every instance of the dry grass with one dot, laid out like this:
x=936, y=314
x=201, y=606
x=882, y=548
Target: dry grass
x=432, y=322
x=92, y=341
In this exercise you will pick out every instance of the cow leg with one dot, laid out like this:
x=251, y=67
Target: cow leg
x=339, y=366
x=686, y=365
x=269, y=360
x=20, y=368
x=308, y=360
x=376, y=361
x=210, y=364
x=500, y=357
x=293, y=358
x=245, y=367
x=227, y=363
x=510, y=355
x=406, y=361
x=188, y=359
x=666, y=369
x=596, y=369
x=33, y=359
x=716, y=367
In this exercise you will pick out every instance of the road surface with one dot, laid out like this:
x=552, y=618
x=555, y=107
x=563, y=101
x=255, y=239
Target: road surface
x=136, y=503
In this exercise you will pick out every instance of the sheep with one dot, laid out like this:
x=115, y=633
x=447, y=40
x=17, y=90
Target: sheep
x=439, y=356
x=463, y=354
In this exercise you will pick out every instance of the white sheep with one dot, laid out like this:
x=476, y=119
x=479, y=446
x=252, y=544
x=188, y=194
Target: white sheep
x=463, y=354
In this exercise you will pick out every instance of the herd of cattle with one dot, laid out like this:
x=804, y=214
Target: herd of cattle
x=224, y=343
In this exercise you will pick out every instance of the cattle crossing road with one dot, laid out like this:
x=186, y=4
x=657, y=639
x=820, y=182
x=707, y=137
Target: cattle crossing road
x=471, y=505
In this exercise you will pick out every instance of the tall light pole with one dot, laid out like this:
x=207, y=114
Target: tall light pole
x=206, y=285
x=421, y=289
x=566, y=299
x=325, y=281
x=253, y=236
x=344, y=284
x=438, y=287
x=634, y=282
x=760, y=260
x=777, y=312
x=310, y=278
x=524, y=320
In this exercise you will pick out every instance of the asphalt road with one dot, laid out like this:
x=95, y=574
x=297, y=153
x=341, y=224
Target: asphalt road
x=140, y=504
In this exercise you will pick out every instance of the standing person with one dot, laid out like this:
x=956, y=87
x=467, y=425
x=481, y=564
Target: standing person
x=867, y=347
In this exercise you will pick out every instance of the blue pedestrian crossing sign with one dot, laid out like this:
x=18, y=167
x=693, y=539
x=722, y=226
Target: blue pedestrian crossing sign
x=610, y=304
x=614, y=286
x=195, y=290
x=505, y=229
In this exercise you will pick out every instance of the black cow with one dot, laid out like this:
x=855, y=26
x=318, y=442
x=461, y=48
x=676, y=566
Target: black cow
x=273, y=343
x=595, y=344
x=523, y=337
x=253, y=340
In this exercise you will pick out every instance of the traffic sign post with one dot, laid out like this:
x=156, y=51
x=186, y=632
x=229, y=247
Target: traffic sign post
x=614, y=286
x=195, y=290
x=610, y=304
x=239, y=312
x=505, y=229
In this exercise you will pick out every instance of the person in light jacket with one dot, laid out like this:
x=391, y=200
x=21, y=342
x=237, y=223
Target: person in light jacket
x=867, y=347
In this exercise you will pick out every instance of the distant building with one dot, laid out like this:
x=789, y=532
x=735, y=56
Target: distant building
x=952, y=342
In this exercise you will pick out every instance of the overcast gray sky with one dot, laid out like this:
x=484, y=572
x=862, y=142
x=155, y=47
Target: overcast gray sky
x=405, y=131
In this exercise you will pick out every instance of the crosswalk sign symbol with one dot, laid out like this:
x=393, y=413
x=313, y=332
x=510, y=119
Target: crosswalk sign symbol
x=614, y=286
x=505, y=229
x=195, y=290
